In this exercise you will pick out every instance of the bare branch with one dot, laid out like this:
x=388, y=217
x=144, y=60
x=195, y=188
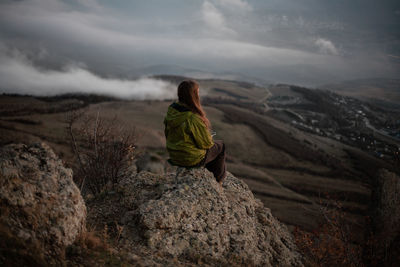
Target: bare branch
x=104, y=151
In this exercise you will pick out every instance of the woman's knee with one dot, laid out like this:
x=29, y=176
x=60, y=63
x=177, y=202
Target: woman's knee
x=223, y=148
x=220, y=144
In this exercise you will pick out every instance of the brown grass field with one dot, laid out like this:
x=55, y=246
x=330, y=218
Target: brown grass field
x=291, y=171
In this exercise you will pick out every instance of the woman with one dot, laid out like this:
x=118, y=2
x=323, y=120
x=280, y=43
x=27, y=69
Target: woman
x=187, y=130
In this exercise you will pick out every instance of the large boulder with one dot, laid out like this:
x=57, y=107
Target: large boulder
x=192, y=216
x=42, y=210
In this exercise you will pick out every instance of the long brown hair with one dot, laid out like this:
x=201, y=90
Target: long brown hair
x=188, y=93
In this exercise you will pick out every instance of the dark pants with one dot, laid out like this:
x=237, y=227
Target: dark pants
x=214, y=160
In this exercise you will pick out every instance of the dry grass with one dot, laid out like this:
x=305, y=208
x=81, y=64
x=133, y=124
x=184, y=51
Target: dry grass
x=15, y=252
x=95, y=248
x=93, y=240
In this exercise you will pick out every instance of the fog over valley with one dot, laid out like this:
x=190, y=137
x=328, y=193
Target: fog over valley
x=20, y=75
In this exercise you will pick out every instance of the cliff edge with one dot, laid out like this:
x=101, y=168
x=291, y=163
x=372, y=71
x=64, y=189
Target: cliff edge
x=191, y=216
x=165, y=219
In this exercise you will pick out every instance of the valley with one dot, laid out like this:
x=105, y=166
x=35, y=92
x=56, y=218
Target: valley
x=296, y=148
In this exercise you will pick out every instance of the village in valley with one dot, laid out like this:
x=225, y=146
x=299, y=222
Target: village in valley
x=349, y=120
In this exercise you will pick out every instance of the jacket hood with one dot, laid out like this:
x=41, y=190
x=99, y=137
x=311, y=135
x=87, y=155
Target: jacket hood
x=175, y=117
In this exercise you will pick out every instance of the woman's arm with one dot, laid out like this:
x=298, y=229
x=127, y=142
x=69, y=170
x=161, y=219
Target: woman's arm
x=201, y=134
x=165, y=128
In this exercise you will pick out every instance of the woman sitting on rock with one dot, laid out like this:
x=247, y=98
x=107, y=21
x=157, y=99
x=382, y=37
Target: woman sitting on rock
x=187, y=130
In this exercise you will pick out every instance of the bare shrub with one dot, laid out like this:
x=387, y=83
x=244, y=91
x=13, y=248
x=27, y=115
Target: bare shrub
x=103, y=149
x=332, y=243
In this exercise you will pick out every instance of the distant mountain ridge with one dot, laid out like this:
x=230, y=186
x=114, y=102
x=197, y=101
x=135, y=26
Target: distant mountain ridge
x=175, y=70
x=382, y=91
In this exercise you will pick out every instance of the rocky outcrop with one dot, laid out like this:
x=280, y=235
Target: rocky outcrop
x=42, y=210
x=150, y=162
x=166, y=219
x=386, y=215
x=192, y=215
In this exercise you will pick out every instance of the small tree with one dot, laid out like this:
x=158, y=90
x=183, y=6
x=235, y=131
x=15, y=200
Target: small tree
x=103, y=149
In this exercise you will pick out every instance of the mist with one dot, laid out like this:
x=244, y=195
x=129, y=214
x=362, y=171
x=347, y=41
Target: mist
x=19, y=75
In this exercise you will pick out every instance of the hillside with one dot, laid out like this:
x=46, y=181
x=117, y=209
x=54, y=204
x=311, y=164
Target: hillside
x=384, y=92
x=293, y=168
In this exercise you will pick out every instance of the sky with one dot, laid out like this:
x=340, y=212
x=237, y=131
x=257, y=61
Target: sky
x=49, y=47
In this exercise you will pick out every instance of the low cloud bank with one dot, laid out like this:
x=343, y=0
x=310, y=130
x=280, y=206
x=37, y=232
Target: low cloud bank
x=19, y=75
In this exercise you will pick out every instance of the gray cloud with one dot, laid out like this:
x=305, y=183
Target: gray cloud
x=236, y=4
x=215, y=21
x=266, y=39
x=326, y=47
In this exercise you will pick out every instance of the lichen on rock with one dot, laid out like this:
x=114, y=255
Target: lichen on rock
x=192, y=215
x=166, y=218
x=42, y=210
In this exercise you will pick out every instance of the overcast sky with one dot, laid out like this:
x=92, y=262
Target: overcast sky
x=104, y=44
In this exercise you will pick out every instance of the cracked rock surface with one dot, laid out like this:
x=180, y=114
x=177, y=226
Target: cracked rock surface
x=41, y=209
x=167, y=220
x=192, y=215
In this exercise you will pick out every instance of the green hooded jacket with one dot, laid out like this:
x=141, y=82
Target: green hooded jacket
x=187, y=136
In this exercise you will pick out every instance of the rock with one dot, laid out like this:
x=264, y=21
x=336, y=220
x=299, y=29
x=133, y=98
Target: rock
x=167, y=220
x=192, y=216
x=386, y=215
x=42, y=210
x=150, y=162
